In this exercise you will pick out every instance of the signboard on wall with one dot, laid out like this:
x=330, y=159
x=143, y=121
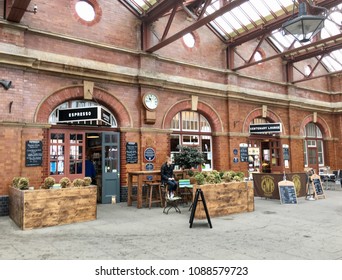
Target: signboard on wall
x=34, y=153
x=265, y=128
x=150, y=154
x=92, y=113
x=243, y=152
x=131, y=152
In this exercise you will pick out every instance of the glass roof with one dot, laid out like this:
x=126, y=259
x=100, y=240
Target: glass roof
x=252, y=14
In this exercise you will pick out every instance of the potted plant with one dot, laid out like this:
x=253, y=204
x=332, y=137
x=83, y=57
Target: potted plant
x=78, y=183
x=87, y=181
x=189, y=157
x=48, y=183
x=23, y=183
x=65, y=182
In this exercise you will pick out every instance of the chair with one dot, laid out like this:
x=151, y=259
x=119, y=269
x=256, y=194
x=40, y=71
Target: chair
x=185, y=190
x=169, y=202
x=153, y=193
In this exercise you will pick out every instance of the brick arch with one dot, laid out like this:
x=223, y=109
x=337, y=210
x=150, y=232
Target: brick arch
x=120, y=112
x=185, y=105
x=321, y=123
x=257, y=113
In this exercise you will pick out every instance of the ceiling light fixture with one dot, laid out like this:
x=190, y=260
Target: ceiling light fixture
x=305, y=26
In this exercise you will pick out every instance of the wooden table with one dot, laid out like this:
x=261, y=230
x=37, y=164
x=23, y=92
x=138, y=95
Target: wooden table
x=141, y=177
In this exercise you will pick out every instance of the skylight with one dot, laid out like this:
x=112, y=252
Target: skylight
x=252, y=15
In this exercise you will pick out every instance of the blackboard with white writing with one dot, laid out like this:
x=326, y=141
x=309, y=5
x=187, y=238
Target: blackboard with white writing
x=131, y=152
x=34, y=153
x=318, y=186
x=287, y=194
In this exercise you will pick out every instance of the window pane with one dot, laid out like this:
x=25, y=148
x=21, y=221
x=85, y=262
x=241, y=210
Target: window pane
x=204, y=124
x=174, y=142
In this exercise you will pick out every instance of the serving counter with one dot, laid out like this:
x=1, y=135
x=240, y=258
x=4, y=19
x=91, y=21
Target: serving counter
x=266, y=184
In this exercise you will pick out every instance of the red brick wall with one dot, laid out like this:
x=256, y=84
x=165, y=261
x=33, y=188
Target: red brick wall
x=13, y=139
x=229, y=100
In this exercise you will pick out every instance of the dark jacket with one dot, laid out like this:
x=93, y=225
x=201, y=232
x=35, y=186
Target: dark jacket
x=166, y=172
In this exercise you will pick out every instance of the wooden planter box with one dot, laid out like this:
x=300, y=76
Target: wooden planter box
x=225, y=198
x=43, y=208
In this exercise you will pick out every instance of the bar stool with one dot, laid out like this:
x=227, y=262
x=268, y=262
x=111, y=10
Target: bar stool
x=153, y=187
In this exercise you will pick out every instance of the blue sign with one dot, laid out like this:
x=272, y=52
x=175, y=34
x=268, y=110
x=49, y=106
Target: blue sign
x=150, y=154
x=235, y=151
x=149, y=166
x=236, y=160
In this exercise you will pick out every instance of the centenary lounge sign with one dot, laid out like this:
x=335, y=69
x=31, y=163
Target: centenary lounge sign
x=265, y=128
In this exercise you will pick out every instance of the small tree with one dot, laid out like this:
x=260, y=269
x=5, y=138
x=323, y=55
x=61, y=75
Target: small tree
x=189, y=157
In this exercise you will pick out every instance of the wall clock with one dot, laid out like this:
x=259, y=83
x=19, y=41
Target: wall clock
x=150, y=101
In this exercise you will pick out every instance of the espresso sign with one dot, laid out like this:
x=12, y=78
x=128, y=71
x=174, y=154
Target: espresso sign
x=34, y=153
x=77, y=114
x=94, y=113
x=262, y=128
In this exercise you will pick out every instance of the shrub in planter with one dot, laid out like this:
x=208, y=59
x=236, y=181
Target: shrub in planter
x=216, y=177
x=232, y=176
x=65, y=182
x=87, y=181
x=48, y=183
x=23, y=183
x=200, y=179
x=15, y=182
x=78, y=183
x=213, y=177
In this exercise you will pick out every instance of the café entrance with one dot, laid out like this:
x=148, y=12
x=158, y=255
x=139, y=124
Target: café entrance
x=73, y=153
x=84, y=142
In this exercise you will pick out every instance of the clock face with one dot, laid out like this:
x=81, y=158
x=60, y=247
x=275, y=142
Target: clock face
x=150, y=101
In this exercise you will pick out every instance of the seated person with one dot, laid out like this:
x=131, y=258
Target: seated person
x=167, y=176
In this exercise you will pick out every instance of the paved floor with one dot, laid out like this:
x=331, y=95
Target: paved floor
x=310, y=230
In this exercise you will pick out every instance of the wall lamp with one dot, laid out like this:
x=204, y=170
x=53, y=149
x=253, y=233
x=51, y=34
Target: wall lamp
x=35, y=9
x=305, y=26
x=6, y=84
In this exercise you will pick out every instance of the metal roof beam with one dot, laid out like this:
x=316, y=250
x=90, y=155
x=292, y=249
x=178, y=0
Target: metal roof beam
x=275, y=24
x=305, y=52
x=199, y=23
x=16, y=9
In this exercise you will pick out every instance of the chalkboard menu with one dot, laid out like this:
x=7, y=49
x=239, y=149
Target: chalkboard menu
x=131, y=152
x=287, y=194
x=244, y=154
x=286, y=153
x=318, y=186
x=34, y=153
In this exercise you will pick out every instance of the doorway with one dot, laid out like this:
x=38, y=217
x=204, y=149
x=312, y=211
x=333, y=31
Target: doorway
x=270, y=154
x=103, y=149
x=73, y=153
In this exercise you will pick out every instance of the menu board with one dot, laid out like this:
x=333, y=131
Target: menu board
x=34, y=153
x=131, y=152
x=287, y=192
x=243, y=152
x=318, y=186
x=286, y=154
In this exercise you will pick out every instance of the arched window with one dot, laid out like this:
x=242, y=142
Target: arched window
x=192, y=129
x=313, y=146
x=53, y=119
